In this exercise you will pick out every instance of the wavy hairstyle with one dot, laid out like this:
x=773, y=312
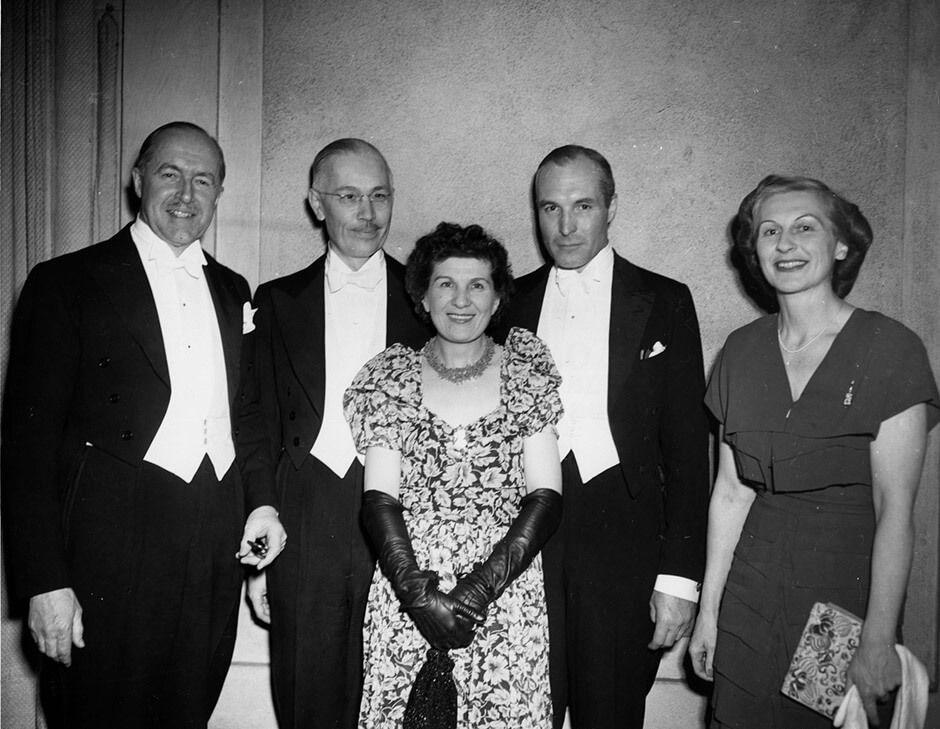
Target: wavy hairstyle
x=449, y=240
x=846, y=221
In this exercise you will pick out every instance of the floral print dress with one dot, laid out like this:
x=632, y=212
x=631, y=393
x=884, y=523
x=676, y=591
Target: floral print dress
x=461, y=488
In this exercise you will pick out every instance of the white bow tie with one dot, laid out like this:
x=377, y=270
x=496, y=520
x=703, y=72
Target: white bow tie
x=190, y=265
x=565, y=278
x=367, y=280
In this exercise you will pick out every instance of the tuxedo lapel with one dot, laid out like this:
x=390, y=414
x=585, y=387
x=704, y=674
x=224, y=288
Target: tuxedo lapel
x=120, y=274
x=630, y=307
x=228, y=314
x=527, y=307
x=299, y=314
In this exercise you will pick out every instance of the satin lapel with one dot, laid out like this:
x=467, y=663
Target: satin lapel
x=121, y=276
x=397, y=304
x=630, y=307
x=228, y=311
x=527, y=305
x=299, y=315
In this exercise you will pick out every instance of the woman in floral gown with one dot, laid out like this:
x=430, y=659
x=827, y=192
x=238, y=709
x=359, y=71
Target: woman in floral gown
x=462, y=468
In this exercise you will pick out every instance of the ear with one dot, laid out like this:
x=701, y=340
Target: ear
x=316, y=204
x=424, y=303
x=842, y=250
x=217, y=196
x=495, y=306
x=612, y=209
x=135, y=175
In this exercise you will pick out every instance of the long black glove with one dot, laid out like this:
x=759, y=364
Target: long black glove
x=539, y=516
x=434, y=612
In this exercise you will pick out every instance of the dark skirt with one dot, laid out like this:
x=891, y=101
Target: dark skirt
x=795, y=549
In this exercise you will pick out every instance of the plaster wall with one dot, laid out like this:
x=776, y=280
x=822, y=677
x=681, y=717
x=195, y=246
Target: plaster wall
x=692, y=103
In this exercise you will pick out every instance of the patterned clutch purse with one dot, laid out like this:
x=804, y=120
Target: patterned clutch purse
x=817, y=674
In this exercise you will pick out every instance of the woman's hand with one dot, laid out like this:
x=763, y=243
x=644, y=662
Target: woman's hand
x=702, y=645
x=875, y=671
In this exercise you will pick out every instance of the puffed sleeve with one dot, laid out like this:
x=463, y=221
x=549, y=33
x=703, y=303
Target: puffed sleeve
x=383, y=399
x=533, y=381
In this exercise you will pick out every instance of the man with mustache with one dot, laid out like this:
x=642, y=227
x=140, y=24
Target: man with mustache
x=124, y=509
x=621, y=572
x=316, y=329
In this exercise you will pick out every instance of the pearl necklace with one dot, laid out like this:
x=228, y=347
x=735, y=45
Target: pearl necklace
x=786, y=349
x=458, y=375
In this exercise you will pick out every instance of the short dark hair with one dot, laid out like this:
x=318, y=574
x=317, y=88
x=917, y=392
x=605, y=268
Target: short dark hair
x=343, y=146
x=146, y=149
x=449, y=240
x=848, y=224
x=570, y=153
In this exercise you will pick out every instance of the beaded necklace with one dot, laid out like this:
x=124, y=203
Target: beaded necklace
x=458, y=375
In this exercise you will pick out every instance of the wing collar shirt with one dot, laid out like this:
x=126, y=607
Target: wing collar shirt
x=354, y=306
x=575, y=324
x=197, y=421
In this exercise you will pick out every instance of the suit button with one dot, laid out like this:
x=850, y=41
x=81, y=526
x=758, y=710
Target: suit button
x=114, y=398
x=296, y=441
x=127, y=435
x=293, y=415
x=289, y=390
x=642, y=469
x=646, y=439
x=104, y=361
x=236, y=432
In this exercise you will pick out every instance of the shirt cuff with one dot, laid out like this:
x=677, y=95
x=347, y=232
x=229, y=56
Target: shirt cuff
x=678, y=587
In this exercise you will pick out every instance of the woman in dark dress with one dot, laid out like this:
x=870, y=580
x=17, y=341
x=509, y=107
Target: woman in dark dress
x=824, y=410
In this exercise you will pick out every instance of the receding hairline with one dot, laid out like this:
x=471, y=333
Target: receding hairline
x=157, y=136
x=324, y=160
x=597, y=170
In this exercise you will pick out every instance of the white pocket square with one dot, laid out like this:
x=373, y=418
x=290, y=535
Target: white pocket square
x=248, y=318
x=653, y=351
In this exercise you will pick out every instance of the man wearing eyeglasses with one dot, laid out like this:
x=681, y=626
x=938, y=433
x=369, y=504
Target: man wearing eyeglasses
x=315, y=330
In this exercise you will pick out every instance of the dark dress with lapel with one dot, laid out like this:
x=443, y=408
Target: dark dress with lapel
x=633, y=522
x=318, y=587
x=809, y=533
x=149, y=557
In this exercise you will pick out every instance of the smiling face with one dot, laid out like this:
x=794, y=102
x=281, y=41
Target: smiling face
x=179, y=186
x=461, y=298
x=796, y=245
x=573, y=218
x=358, y=230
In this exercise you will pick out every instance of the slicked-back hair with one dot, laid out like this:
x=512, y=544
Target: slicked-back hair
x=572, y=152
x=845, y=221
x=146, y=149
x=449, y=240
x=343, y=146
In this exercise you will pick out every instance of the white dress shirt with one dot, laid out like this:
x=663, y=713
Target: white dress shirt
x=355, y=305
x=197, y=421
x=575, y=324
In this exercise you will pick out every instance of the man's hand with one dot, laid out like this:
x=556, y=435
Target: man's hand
x=55, y=622
x=258, y=596
x=673, y=617
x=263, y=527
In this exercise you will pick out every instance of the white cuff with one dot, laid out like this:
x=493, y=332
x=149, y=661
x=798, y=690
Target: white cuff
x=678, y=587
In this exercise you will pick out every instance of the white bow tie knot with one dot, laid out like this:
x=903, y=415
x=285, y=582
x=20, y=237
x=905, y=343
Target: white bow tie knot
x=367, y=280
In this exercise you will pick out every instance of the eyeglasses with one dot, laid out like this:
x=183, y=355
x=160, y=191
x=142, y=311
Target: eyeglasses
x=379, y=199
